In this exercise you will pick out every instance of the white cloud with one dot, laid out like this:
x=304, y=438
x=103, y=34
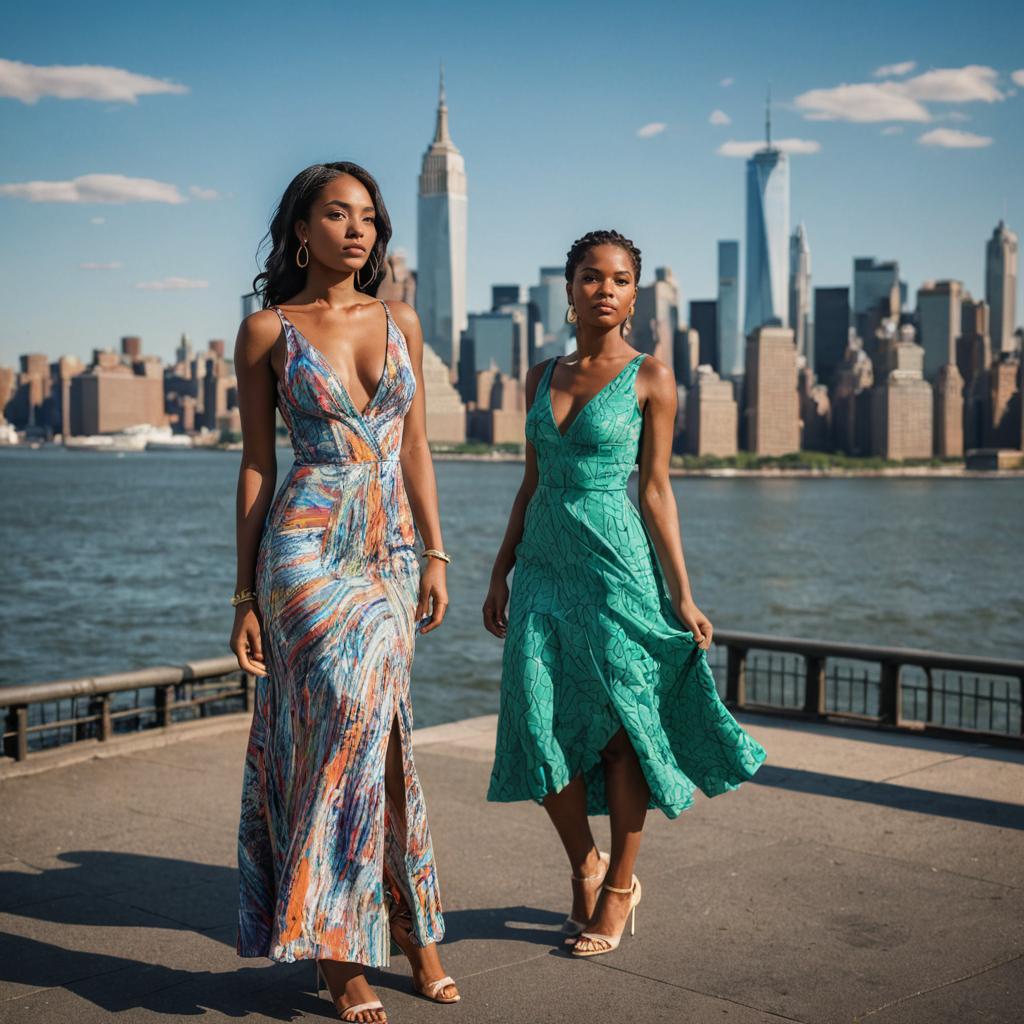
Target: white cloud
x=719, y=117
x=953, y=138
x=901, y=101
x=198, y=192
x=1018, y=77
x=95, y=188
x=654, y=128
x=864, y=102
x=748, y=149
x=893, y=129
x=904, y=67
x=955, y=85
x=30, y=82
x=726, y=82
x=957, y=115
x=97, y=220
x=169, y=284
x=115, y=265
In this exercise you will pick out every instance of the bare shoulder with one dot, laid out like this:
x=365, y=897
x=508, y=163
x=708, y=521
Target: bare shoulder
x=404, y=315
x=257, y=334
x=656, y=379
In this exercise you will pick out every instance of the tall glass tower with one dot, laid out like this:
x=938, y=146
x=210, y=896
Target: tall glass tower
x=731, y=350
x=441, y=242
x=767, y=235
x=800, y=293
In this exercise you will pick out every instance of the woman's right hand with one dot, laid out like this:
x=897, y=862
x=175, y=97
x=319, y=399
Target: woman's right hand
x=247, y=639
x=495, y=619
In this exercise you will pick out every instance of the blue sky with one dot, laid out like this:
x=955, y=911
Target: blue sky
x=556, y=109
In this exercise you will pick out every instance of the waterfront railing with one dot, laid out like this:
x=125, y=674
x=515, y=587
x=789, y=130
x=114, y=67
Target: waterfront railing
x=894, y=688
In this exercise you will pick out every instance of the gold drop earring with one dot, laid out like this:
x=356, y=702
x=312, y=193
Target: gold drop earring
x=298, y=262
x=570, y=315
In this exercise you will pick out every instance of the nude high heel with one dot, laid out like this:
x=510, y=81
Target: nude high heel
x=570, y=926
x=349, y=1013
x=612, y=941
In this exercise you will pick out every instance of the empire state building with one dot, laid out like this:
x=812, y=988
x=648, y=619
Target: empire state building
x=441, y=243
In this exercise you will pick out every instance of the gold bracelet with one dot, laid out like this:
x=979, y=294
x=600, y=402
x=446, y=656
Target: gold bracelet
x=435, y=553
x=243, y=595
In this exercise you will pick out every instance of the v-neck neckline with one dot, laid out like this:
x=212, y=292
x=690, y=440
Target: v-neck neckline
x=590, y=401
x=332, y=371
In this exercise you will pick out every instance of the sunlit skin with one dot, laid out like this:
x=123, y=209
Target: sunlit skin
x=350, y=329
x=602, y=291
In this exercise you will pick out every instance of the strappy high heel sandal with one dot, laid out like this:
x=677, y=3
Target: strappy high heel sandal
x=570, y=926
x=348, y=1014
x=612, y=941
x=402, y=938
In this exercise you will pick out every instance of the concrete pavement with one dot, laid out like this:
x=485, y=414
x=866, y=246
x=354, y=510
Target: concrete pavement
x=861, y=876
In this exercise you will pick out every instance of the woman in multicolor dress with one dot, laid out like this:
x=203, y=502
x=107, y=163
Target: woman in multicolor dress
x=334, y=852
x=608, y=705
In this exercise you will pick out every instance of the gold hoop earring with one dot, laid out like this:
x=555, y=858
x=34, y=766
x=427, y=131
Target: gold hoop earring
x=373, y=273
x=632, y=310
x=570, y=315
x=298, y=262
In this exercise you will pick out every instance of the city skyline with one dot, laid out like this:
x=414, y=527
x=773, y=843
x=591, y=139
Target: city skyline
x=863, y=178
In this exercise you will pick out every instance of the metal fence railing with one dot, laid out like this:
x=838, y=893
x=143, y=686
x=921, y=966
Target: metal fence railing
x=889, y=687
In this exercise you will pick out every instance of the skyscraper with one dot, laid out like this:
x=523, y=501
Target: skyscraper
x=1001, y=286
x=800, y=293
x=874, y=282
x=831, y=331
x=441, y=242
x=939, y=321
x=656, y=316
x=731, y=348
x=704, y=320
x=767, y=235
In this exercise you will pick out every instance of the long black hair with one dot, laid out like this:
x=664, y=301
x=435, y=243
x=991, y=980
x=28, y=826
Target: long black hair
x=282, y=277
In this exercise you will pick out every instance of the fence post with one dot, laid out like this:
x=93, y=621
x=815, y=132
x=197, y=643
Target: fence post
x=889, y=694
x=814, y=684
x=736, y=676
x=106, y=725
x=16, y=745
x=164, y=705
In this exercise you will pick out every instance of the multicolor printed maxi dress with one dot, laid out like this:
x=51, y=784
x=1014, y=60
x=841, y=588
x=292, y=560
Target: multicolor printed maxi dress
x=320, y=848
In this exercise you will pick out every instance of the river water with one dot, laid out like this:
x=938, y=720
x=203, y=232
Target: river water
x=114, y=562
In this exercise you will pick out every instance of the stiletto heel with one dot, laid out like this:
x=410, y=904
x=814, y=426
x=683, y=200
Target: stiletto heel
x=611, y=942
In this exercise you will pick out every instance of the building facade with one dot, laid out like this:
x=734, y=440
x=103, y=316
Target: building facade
x=771, y=410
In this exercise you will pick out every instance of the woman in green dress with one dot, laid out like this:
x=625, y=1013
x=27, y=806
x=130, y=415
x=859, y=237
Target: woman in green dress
x=608, y=704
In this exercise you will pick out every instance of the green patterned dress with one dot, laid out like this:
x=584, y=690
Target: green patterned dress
x=593, y=644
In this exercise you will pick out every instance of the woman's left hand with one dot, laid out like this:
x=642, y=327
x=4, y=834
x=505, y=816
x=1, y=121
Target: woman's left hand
x=433, y=595
x=697, y=622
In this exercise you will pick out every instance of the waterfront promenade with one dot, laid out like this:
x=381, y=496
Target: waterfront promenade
x=862, y=876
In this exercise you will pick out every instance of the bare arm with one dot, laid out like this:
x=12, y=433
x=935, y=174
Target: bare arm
x=496, y=601
x=657, y=502
x=257, y=474
x=418, y=475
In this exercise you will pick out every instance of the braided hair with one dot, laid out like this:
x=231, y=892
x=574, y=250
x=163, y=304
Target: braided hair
x=575, y=256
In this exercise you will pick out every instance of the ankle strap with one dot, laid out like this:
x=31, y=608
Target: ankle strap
x=611, y=888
